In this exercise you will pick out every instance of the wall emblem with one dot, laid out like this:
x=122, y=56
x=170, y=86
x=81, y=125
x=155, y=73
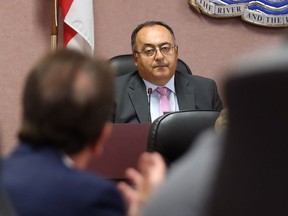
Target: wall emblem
x=270, y=13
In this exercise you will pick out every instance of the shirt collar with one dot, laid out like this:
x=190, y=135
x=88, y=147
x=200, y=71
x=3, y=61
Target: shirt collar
x=170, y=85
x=67, y=161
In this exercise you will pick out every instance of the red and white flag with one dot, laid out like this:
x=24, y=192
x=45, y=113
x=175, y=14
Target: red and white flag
x=78, y=24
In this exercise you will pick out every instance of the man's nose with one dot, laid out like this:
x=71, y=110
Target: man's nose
x=159, y=54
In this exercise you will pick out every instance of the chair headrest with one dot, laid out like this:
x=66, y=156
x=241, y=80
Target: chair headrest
x=256, y=94
x=172, y=134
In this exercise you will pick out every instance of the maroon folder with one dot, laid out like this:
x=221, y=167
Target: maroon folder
x=121, y=150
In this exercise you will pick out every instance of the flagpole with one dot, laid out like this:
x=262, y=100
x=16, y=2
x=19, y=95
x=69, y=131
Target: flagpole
x=54, y=25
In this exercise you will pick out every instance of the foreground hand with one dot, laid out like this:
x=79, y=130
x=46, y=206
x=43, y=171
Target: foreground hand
x=151, y=173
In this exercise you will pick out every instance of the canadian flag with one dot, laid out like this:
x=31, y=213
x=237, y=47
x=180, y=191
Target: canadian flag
x=78, y=24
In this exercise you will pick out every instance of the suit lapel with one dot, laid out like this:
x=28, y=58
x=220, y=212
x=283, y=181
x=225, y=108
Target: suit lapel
x=138, y=98
x=185, y=92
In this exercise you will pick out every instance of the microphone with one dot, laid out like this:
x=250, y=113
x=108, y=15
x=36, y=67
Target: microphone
x=149, y=92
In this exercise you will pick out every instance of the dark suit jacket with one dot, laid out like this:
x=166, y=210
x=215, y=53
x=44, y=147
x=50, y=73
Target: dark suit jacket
x=38, y=183
x=193, y=92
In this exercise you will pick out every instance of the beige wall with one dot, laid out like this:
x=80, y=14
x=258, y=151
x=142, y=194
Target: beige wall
x=207, y=44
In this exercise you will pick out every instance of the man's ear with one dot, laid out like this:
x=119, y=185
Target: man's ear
x=176, y=50
x=135, y=57
x=99, y=145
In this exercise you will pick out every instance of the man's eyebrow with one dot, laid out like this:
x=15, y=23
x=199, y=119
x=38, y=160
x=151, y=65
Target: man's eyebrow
x=153, y=45
x=148, y=45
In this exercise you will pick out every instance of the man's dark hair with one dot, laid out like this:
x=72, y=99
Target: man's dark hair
x=68, y=97
x=145, y=24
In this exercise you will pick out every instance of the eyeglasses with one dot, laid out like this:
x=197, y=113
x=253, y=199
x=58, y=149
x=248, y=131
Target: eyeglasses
x=166, y=49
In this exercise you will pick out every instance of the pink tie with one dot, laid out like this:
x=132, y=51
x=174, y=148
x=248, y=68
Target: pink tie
x=164, y=101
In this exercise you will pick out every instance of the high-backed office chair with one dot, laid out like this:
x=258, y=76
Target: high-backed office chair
x=172, y=134
x=125, y=64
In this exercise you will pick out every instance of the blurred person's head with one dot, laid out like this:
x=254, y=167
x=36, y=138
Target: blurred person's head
x=155, y=51
x=67, y=100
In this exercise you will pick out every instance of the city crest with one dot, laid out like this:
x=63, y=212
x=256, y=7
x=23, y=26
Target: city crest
x=269, y=13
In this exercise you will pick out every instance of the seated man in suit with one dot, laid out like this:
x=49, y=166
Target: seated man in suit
x=67, y=102
x=240, y=171
x=157, y=87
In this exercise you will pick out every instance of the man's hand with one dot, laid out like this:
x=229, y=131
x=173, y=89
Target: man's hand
x=143, y=182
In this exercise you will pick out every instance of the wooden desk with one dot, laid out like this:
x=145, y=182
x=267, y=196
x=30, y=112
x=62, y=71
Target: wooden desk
x=121, y=150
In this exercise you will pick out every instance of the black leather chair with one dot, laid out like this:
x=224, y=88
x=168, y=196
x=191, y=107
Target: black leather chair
x=173, y=133
x=125, y=64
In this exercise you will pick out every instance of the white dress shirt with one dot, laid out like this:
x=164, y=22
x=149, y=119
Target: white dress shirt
x=155, y=98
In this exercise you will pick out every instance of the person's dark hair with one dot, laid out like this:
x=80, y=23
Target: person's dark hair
x=68, y=97
x=145, y=24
